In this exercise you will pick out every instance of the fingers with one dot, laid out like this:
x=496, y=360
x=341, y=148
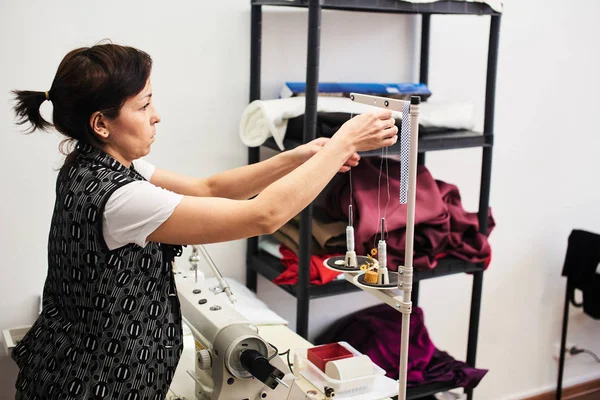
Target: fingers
x=390, y=141
x=390, y=122
x=387, y=123
x=389, y=132
x=351, y=162
x=383, y=114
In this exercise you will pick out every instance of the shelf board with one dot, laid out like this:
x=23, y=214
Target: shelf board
x=270, y=267
x=390, y=6
x=427, y=142
x=447, y=266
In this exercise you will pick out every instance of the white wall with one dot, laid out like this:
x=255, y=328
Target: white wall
x=542, y=186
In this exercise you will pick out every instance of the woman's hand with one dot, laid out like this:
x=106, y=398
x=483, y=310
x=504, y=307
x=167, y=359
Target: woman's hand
x=369, y=131
x=307, y=150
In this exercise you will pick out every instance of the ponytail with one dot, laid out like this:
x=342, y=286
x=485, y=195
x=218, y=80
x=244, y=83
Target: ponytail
x=27, y=109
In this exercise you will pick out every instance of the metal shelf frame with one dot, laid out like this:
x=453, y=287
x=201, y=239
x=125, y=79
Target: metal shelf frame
x=303, y=291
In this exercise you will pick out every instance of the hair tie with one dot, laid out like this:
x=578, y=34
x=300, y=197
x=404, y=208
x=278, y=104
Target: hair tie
x=47, y=96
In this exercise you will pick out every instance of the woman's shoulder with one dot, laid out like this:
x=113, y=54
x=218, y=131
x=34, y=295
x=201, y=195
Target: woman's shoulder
x=84, y=176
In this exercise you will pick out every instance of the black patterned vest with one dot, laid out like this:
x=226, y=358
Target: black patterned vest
x=110, y=327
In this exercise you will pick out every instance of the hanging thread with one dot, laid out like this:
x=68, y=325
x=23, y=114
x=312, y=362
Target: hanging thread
x=350, y=178
x=377, y=222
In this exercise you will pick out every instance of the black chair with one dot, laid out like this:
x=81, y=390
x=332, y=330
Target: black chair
x=582, y=269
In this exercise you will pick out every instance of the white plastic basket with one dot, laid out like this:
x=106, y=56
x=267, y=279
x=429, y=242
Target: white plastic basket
x=11, y=337
x=320, y=380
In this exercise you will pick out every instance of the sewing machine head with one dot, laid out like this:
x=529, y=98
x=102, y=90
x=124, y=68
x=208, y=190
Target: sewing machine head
x=233, y=361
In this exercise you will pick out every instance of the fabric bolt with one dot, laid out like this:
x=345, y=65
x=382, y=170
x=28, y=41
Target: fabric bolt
x=289, y=243
x=328, y=236
x=319, y=274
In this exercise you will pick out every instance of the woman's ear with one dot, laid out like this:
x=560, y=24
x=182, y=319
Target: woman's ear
x=98, y=122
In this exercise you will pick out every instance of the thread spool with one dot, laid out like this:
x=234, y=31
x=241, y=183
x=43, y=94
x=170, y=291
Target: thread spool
x=349, y=368
x=371, y=277
x=350, y=238
x=382, y=253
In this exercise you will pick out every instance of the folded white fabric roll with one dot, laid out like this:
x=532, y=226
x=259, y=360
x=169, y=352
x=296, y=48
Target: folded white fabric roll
x=268, y=244
x=262, y=119
x=265, y=118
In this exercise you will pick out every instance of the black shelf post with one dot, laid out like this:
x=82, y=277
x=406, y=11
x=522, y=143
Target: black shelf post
x=484, y=196
x=254, y=152
x=424, y=63
x=563, y=339
x=310, y=127
x=425, y=34
x=423, y=78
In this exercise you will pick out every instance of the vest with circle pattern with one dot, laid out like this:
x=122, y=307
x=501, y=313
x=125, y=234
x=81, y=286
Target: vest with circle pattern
x=110, y=326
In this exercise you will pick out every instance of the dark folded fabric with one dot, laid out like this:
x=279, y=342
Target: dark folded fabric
x=288, y=242
x=328, y=236
x=582, y=266
x=328, y=124
x=376, y=332
x=591, y=297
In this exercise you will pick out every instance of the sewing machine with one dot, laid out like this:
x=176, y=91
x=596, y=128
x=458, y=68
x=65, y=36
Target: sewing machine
x=233, y=360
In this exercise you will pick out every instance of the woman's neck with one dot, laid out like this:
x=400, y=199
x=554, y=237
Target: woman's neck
x=117, y=156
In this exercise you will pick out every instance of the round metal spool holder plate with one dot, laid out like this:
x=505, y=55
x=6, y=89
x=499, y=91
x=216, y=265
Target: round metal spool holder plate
x=360, y=281
x=330, y=263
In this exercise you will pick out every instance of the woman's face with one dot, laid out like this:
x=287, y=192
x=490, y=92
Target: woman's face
x=132, y=133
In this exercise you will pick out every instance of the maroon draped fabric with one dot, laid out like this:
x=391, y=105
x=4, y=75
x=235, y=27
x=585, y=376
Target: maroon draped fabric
x=376, y=332
x=441, y=223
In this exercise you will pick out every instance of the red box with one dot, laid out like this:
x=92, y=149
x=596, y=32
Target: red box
x=320, y=355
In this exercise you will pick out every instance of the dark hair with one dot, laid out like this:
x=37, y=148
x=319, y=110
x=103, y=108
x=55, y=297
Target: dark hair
x=88, y=79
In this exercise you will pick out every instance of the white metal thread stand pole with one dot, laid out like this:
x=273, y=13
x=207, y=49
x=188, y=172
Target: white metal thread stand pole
x=401, y=302
x=405, y=280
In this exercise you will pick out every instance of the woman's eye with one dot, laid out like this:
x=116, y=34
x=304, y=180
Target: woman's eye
x=145, y=107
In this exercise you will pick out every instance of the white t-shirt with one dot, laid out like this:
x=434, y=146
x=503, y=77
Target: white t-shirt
x=135, y=210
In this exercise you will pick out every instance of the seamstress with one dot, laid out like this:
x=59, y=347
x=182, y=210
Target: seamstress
x=110, y=327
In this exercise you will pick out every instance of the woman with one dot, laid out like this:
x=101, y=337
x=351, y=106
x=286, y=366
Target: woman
x=111, y=325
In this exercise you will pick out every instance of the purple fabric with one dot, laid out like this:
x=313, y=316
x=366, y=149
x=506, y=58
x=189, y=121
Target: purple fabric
x=441, y=223
x=376, y=332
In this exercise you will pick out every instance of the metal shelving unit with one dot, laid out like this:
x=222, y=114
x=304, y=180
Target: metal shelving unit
x=261, y=263
x=389, y=6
